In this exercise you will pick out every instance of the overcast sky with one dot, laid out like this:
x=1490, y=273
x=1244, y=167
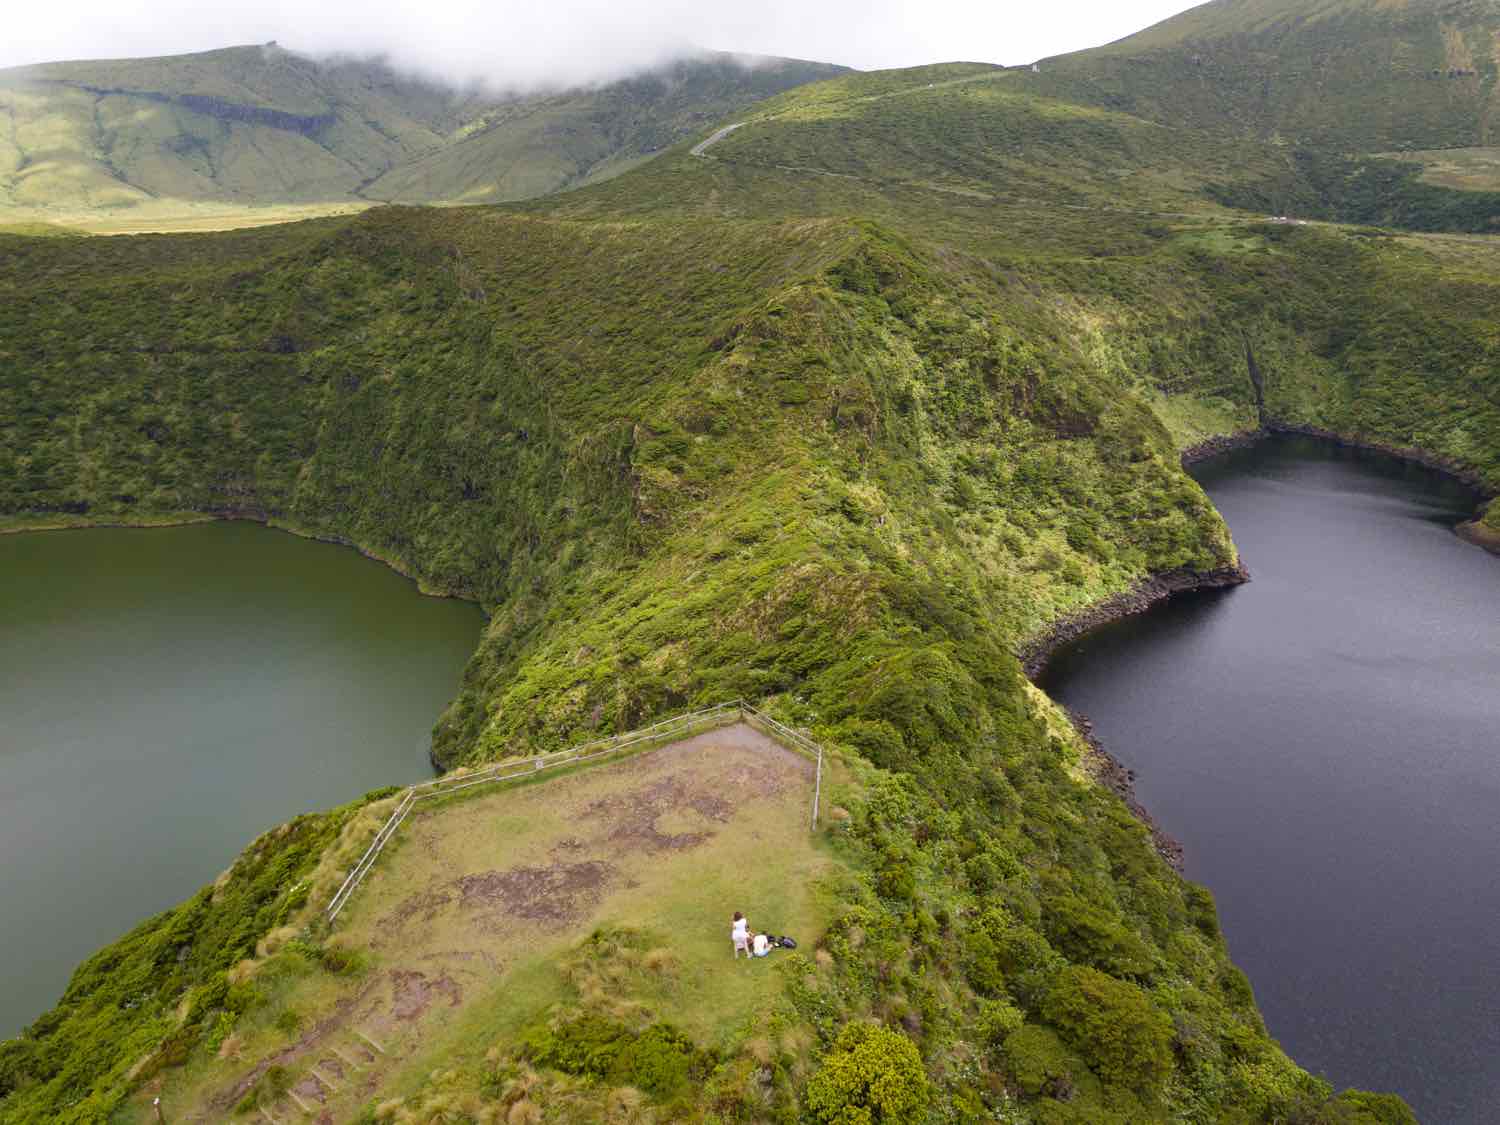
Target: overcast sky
x=516, y=42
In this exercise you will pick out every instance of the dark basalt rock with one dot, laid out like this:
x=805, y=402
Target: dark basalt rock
x=1139, y=598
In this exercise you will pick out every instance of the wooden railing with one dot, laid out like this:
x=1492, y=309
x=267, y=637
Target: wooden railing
x=662, y=733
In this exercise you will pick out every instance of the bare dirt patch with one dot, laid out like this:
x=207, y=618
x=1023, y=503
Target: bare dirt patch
x=423, y=904
x=413, y=992
x=309, y=1090
x=630, y=819
x=554, y=895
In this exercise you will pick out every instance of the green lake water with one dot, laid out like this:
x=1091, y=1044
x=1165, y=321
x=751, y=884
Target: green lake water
x=168, y=694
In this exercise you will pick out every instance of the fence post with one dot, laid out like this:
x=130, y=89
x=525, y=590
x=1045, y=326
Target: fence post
x=817, y=789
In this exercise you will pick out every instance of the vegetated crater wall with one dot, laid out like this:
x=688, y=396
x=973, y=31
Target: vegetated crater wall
x=221, y=109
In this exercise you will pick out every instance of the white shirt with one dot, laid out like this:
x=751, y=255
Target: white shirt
x=762, y=946
x=740, y=931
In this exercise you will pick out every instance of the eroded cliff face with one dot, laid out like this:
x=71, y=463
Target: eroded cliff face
x=1485, y=530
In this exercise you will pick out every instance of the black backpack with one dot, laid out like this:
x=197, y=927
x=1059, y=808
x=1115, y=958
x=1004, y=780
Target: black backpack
x=784, y=942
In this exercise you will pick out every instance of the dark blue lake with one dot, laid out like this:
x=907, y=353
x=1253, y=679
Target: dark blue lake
x=1325, y=741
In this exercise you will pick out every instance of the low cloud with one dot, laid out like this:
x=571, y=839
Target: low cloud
x=509, y=43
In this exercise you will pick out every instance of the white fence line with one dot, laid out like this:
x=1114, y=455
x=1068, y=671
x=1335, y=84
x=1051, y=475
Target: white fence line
x=670, y=729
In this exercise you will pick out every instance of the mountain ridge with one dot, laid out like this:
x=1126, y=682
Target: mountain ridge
x=261, y=126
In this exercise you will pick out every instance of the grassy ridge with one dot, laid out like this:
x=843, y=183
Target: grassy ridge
x=1354, y=330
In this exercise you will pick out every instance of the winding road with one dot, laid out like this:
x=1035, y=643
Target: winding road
x=699, y=148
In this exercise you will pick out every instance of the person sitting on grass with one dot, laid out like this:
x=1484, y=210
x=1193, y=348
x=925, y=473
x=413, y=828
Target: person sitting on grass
x=761, y=945
x=740, y=935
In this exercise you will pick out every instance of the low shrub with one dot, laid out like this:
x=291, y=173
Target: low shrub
x=660, y=1060
x=1037, y=1059
x=1113, y=1025
x=872, y=1075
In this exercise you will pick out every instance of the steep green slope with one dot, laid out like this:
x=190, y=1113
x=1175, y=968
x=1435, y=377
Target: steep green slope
x=262, y=125
x=838, y=416
x=1340, y=75
x=804, y=461
x=1388, y=339
x=544, y=144
x=1341, y=84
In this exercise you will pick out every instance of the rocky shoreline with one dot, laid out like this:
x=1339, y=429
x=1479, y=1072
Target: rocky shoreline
x=1472, y=531
x=1121, y=782
x=1227, y=443
x=1481, y=535
x=1139, y=598
x=1149, y=592
x=1416, y=456
x=1107, y=769
x=1223, y=443
x=82, y=522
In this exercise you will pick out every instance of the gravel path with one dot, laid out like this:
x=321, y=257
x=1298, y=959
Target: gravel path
x=702, y=146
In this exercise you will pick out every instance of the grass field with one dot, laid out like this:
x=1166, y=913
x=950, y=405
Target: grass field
x=1467, y=169
x=167, y=216
x=465, y=924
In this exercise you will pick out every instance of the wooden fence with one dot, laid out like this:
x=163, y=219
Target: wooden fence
x=658, y=734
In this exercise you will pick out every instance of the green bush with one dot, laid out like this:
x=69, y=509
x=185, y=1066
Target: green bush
x=586, y=1045
x=1375, y=1109
x=659, y=1060
x=288, y=1021
x=873, y=1075
x=1037, y=1059
x=342, y=961
x=1089, y=934
x=1113, y=1025
x=998, y=1020
x=243, y=996
x=1013, y=952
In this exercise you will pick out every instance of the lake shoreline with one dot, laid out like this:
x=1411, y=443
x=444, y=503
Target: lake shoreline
x=178, y=692
x=1298, y=740
x=1479, y=534
x=63, y=521
x=1227, y=443
x=1141, y=596
x=1149, y=592
x=1109, y=771
x=1220, y=444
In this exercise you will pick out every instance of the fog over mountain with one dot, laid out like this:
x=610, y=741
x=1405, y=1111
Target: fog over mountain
x=565, y=42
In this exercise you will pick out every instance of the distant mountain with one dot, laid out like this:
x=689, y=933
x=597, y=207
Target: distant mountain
x=1344, y=75
x=264, y=125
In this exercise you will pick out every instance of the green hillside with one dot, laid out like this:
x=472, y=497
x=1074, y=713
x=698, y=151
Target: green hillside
x=1365, y=99
x=840, y=416
x=1341, y=75
x=255, y=126
x=803, y=461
